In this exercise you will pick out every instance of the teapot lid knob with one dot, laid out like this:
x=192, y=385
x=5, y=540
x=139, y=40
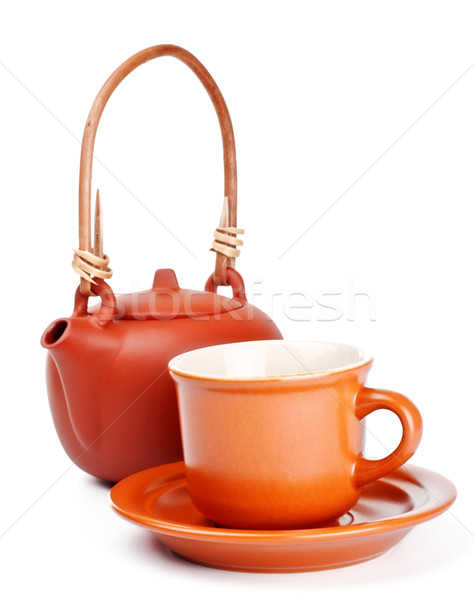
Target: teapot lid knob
x=165, y=278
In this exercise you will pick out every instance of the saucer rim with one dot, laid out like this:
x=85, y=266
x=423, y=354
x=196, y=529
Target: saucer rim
x=436, y=504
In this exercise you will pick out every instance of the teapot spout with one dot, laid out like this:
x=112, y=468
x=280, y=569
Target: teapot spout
x=76, y=367
x=57, y=340
x=55, y=334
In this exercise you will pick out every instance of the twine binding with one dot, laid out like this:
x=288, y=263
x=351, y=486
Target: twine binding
x=225, y=238
x=93, y=264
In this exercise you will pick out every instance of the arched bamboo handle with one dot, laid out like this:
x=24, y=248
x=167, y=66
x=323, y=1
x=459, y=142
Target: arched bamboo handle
x=88, y=140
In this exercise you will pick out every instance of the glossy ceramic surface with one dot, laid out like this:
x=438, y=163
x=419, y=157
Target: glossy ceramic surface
x=111, y=397
x=272, y=432
x=387, y=510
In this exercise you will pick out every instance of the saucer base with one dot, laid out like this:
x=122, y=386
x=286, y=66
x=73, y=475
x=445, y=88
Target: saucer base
x=387, y=510
x=258, y=560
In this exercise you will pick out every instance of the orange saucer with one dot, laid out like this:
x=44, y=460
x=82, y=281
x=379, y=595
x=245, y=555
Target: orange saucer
x=387, y=510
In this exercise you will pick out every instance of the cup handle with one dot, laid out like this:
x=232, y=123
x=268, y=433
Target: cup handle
x=369, y=400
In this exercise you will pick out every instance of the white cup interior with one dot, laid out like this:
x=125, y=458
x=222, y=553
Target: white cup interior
x=268, y=358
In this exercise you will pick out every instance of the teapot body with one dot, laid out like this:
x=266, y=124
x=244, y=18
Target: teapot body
x=112, y=399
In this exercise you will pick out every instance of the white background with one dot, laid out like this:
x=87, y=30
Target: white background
x=364, y=107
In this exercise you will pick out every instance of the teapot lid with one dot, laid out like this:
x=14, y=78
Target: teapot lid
x=166, y=301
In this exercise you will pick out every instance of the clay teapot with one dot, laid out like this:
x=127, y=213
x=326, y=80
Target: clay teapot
x=112, y=400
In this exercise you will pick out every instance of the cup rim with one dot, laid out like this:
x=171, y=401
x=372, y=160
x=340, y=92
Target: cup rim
x=366, y=360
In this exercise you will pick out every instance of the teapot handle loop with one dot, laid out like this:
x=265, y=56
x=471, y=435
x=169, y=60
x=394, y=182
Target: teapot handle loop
x=88, y=140
x=108, y=307
x=234, y=279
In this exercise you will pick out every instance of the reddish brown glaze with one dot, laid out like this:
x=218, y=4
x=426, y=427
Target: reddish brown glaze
x=112, y=399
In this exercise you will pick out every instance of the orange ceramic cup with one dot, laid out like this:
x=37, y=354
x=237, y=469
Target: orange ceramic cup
x=272, y=431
